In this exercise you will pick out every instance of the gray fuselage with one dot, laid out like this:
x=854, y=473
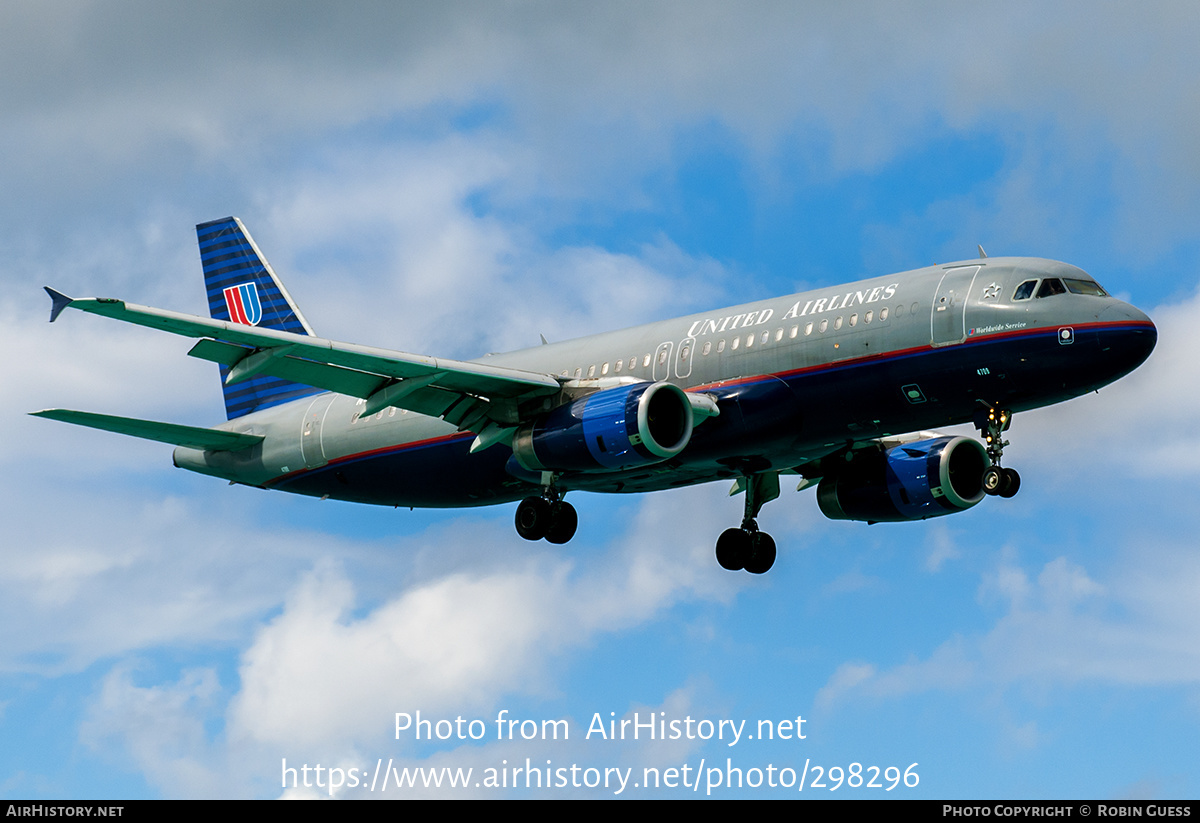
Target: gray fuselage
x=795, y=378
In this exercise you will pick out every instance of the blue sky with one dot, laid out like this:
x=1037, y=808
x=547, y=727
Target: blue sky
x=456, y=179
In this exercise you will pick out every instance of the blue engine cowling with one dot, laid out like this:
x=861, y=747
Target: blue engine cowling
x=613, y=429
x=914, y=481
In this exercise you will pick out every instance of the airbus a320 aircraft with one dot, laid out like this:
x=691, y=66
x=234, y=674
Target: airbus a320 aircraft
x=823, y=385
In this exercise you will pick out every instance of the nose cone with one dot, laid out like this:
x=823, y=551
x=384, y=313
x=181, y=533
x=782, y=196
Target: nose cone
x=1127, y=336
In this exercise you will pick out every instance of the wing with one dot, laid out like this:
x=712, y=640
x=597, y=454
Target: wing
x=486, y=399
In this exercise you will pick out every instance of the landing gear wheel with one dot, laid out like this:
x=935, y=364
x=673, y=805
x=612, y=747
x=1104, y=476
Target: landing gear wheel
x=748, y=548
x=563, y=525
x=733, y=547
x=1011, y=484
x=992, y=423
x=533, y=518
x=993, y=480
x=762, y=553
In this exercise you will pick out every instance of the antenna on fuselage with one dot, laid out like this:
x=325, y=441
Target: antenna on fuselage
x=982, y=253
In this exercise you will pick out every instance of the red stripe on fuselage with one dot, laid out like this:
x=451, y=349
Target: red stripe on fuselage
x=393, y=449
x=909, y=352
x=741, y=381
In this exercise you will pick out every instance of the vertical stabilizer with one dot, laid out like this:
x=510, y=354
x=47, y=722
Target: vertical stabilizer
x=242, y=288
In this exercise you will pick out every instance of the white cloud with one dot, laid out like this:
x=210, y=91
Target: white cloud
x=136, y=108
x=1141, y=426
x=605, y=757
x=942, y=547
x=1064, y=628
x=845, y=678
x=318, y=677
x=602, y=90
x=161, y=729
x=92, y=572
x=321, y=682
x=432, y=275
x=90, y=363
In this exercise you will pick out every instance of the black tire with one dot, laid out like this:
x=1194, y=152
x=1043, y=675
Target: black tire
x=733, y=546
x=762, y=553
x=533, y=518
x=1012, y=483
x=564, y=523
x=993, y=480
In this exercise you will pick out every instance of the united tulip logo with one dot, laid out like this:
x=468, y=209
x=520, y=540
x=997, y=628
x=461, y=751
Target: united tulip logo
x=243, y=304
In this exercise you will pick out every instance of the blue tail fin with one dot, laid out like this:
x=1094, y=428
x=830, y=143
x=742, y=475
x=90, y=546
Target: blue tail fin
x=242, y=288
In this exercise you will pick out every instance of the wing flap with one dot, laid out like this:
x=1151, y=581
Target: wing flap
x=309, y=372
x=191, y=436
x=413, y=393
x=214, y=351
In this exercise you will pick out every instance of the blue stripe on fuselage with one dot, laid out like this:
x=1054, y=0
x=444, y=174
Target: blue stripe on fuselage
x=440, y=471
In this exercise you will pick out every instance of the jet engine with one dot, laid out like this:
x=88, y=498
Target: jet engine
x=913, y=481
x=612, y=429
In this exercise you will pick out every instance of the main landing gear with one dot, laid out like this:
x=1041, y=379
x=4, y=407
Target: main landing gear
x=548, y=516
x=748, y=548
x=997, y=481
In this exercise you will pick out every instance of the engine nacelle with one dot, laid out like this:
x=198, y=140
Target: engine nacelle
x=613, y=429
x=914, y=481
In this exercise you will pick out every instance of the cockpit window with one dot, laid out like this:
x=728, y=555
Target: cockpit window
x=1051, y=286
x=1025, y=290
x=1085, y=287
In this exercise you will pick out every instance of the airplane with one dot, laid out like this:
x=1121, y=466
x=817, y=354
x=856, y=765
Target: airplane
x=836, y=386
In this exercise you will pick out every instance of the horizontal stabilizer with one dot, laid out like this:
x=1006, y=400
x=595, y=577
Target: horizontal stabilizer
x=193, y=437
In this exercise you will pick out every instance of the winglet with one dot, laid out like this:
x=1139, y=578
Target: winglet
x=61, y=301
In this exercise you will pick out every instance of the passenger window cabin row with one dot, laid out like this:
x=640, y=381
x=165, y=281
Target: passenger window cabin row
x=739, y=342
x=1050, y=286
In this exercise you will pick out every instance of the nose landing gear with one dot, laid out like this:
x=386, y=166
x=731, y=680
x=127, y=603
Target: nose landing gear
x=747, y=547
x=997, y=480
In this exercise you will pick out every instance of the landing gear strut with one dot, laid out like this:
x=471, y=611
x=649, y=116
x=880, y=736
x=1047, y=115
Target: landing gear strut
x=548, y=516
x=997, y=481
x=748, y=548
